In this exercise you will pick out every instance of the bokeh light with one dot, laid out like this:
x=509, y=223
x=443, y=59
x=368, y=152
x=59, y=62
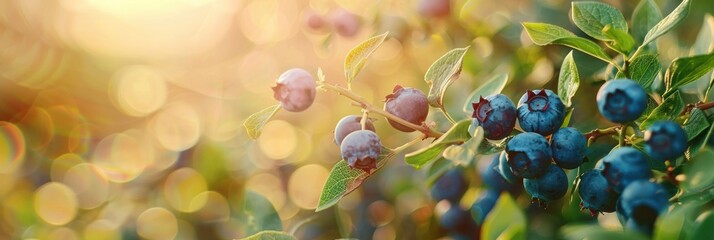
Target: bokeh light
x=157, y=223
x=56, y=203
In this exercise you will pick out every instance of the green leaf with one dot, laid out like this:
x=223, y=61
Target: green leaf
x=437, y=169
x=343, y=180
x=686, y=70
x=644, y=69
x=254, y=124
x=670, y=108
x=357, y=57
x=594, y=231
x=704, y=44
x=544, y=34
x=465, y=153
x=270, y=235
x=592, y=17
x=568, y=80
x=505, y=221
x=568, y=116
x=493, y=85
x=442, y=73
x=667, y=23
x=698, y=143
x=696, y=123
x=669, y=226
x=458, y=133
x=491, y=147
x=698, y=172
x=704, y=228
x=645, y=16
x=621, y=42
x=258, y=214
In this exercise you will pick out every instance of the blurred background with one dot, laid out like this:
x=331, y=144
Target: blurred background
x=123, y=119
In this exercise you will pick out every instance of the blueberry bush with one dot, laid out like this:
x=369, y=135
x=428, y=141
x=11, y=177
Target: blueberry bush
x=647, y=165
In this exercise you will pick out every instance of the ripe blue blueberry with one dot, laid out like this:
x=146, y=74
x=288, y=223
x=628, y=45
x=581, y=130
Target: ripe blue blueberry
x=643, y=201
x=528, y=155
x=349, y=124
x=569, y=146
x=540, y=111
x=456, y=219
x=451, y=186
x=621, y=100
x=406, y=103
x=483, y=205
x=622, y=166
x=595, y=193
x=497, y=115
x=665, y=140
x=505, y=170
x=550, y=186
x=295, y=89
x=492, y=178
x=361, y=149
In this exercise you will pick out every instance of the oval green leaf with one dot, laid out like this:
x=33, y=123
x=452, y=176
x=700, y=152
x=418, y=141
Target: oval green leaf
x=505, y=220
x=258, y=214
x=465, y=153
x=645, y=16
x=458, y=133
x=357, y=57
x=687, y=70
x=667, y=23
x=544, y=34
x=696, y=123
x=568, y=80
x=644, y=69
x=442, y=73
x=343, y=180
x=670, y=108
x=592, y=17
x=255, y=122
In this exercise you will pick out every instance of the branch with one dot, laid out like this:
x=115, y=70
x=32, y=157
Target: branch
x=597, y=133
x=428, y=132
x=701, y=105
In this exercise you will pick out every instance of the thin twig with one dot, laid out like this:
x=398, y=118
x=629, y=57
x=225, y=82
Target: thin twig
x=372, y=109
x=597, y=133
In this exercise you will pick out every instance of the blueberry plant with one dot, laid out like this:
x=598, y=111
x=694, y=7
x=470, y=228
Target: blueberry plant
x=656, y=176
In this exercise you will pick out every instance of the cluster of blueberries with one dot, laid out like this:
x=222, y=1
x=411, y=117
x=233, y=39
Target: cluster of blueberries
x=621, y=181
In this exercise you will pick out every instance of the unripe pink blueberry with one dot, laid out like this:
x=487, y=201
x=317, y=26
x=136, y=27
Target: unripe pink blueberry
x=345, y=23
x=406, y=103
x=434, y=8
x=361, y=150
x=295, y=90
x=349, y=124
x=314, y=21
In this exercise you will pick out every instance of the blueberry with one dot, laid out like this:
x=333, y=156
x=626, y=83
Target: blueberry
x=345, y=23
x=456, y=219
x=295, y=90
x=406, y=103
x=497, y=115
x=434, y=8
x=451, y=186
x=622, y=166
x=642, y=202
x=528, y=155
x=349, y=124
x=621, y=100
x=569, y=146
x=665, y=140
x=313, y=21
x=550, y=186
x=595, y=193
x=483, y=205
x=646, y=227
x=505, y=170
x=361, y=149
x=540, y=111
x=492, y=178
